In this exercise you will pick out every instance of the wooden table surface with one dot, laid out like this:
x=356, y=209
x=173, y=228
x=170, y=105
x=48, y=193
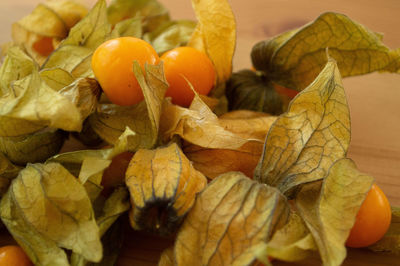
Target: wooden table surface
x=374, y=99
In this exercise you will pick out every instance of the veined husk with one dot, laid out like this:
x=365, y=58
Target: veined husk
x=249, y=125
x=163, y=186
x=52, y=19
x=151, y=12
x=229, y=221
x=294, y=58
x=32, y=148
x=251, y=90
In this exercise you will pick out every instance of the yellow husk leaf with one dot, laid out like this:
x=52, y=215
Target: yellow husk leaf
x=198, y=125
x=315, y=132
x=228, y=222
x=51, y=19
x=249, y=125
x=329, y=209
x=215, y=34
x=163, y=185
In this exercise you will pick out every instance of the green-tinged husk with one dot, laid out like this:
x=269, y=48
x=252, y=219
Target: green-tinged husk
x=150, y=12
x=32, y=148
x=170, y=35
x=8, y=171
x=95, y=160
x=295, y=58
x=40, y=201
x=250, y=90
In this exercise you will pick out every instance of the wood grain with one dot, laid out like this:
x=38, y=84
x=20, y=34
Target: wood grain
x=374, y=99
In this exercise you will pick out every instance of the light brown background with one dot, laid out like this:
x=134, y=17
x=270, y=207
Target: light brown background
x=374, y=99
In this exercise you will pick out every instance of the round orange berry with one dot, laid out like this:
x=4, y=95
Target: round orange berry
x=112, y=64
x=372, y=221
x=183, y=65
x=14, y=256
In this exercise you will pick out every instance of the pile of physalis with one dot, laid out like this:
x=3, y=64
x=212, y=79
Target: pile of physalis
x=135, y=87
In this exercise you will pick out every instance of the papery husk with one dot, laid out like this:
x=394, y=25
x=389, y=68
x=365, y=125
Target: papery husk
x=110, y=120
x=32, y=148
x=108, y=218
x=32, y=105
x=56, y=78
x=16, y=65
x=198, y=125
x=294, y=58
x=75, y=51
x=51, y=19
x=84, y=93
x=215, y=34
x=151, y=12
x=252, y=90
x=329, y=208
x=170, y=35
x=163, y=186
x=249, y=125
x=8, y=171
x=305, y=141
x=89, y=165
x=167, y=257
x=128, y=27
x=231, y=218
x=47, y=209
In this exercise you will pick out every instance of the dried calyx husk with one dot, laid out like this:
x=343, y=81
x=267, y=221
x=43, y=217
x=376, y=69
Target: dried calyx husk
x=40, y=32
x=304, y=142
x=8, y=171
x=149, y=20
x=88, y=167
x=233, y=220
x=294, y=59
x=57, y=92
x=163, y=186
x=215, y=145
x=250, y=125
x=33, y=117
x=229, y=221
x=151, y=13
x=34, y=209
x=84, y=93
x=170, y=34
x=252, y=90
x=33, y=104
x=215, y=34
x=110, y=120
x=32, y=148
x=305, y=158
